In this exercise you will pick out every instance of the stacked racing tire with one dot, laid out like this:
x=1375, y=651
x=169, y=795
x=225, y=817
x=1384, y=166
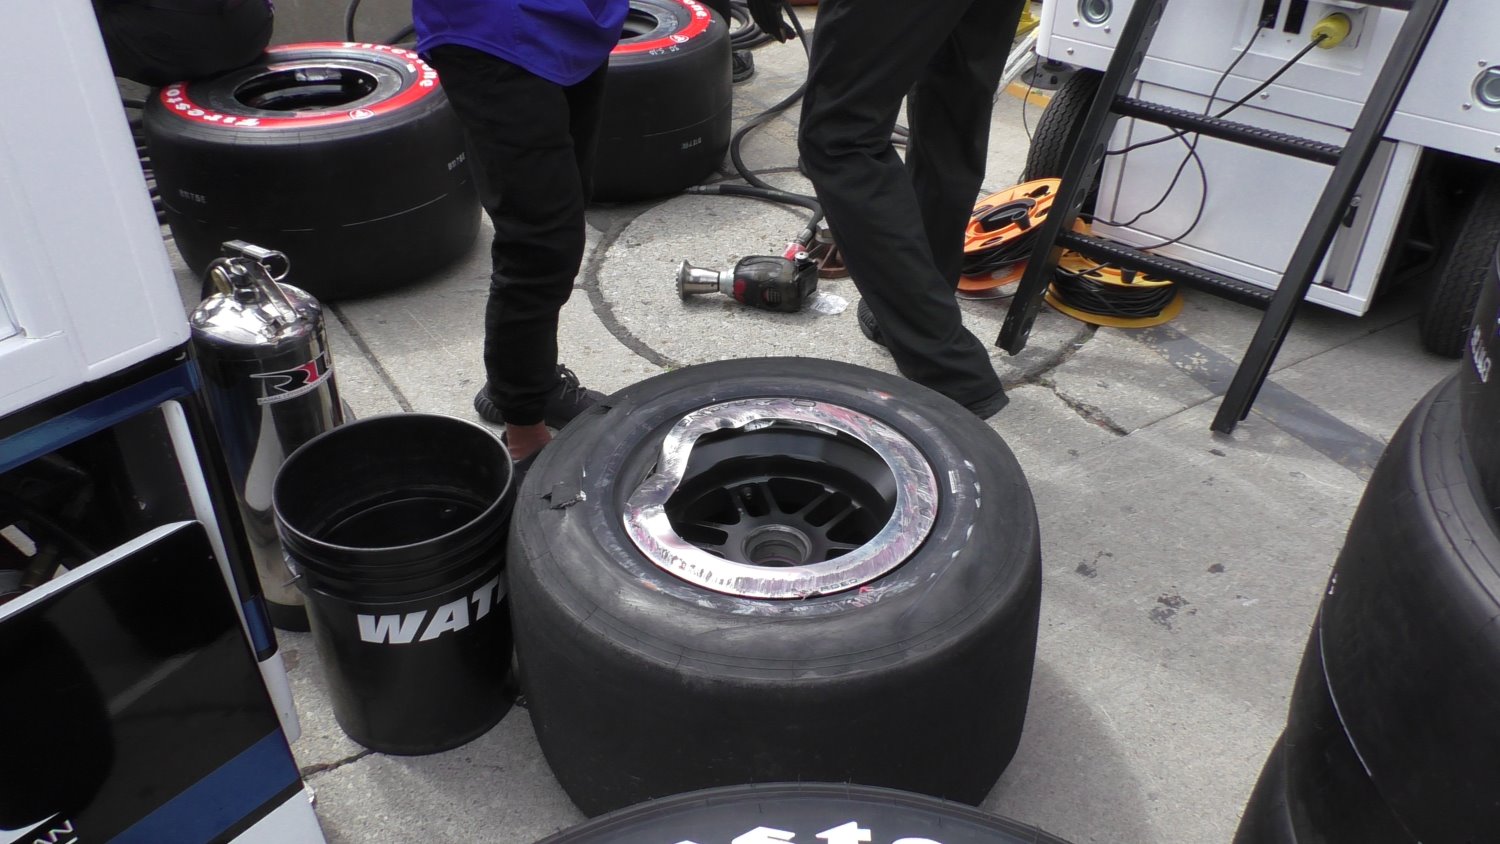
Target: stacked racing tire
x=667, y=102
x=773, y=570
x=346, y=157
x=1402, y=677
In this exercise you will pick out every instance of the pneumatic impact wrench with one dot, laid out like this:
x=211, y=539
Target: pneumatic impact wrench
x=782, y=282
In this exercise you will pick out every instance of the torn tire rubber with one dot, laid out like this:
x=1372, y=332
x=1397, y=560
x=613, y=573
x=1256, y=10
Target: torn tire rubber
x=1410, y=644
x=667, y=100
x=835, y=814
x=346, y=157
x=771, y=570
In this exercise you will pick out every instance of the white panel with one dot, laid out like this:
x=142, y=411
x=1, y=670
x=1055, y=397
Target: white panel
x=293, y=822
x=1198, y=39
x=7, y=326
x=85, y=273
x=1258, y=202
x=273, y=668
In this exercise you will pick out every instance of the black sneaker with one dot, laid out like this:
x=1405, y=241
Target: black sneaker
x=867, y=324
x=565, y=402
x=986, y=408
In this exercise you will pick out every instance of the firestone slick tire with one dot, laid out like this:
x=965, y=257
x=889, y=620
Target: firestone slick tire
x=346, y=157
x=771, y=814
x=1410, y=643
x=665, y=120
x=877, y=624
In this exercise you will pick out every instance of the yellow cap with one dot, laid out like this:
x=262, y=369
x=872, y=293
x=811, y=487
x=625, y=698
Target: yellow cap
x=1333, y=28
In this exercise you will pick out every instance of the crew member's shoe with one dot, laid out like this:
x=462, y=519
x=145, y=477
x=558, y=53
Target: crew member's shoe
x=986, y=408
x=867, y=324
x=567, y=400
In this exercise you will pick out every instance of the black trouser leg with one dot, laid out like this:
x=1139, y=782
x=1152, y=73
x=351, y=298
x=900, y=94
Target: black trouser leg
x=867, y=55
x=531, y=147
x=948, y=111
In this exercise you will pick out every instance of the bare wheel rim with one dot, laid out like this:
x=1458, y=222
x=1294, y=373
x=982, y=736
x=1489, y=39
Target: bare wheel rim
x=782, y=498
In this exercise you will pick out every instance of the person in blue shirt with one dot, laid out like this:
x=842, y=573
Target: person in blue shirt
x=526, y=79
x=899, y=225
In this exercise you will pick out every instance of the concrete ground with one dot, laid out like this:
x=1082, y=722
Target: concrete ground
x=1182, y=568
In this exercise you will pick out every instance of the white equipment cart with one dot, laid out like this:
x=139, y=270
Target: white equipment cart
x=1428, y=210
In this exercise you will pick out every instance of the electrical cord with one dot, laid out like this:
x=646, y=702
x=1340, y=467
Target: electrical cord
x=745, y=34
x=1192, y=145
x=763, y=189
x=349, y=12
x=1271, y=80
x=1074, y=288
x=1127, y=301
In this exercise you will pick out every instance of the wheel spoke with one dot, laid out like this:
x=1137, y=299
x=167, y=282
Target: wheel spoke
x=813, y=504
x=841, y=515
x=739, y=496
x=763, y=488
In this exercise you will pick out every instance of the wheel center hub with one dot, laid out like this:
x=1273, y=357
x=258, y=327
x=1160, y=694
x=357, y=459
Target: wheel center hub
x=778, y=545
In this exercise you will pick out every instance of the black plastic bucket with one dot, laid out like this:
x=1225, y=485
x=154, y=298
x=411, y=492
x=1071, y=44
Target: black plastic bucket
x=395, y=527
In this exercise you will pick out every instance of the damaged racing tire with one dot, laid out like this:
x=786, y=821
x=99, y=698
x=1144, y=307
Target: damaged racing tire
x=836, y=814
x=773, y=570
x=346, y=157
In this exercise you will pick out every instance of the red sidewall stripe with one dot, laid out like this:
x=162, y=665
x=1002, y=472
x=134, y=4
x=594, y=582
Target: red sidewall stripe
x=175, y=96
x=697, y=26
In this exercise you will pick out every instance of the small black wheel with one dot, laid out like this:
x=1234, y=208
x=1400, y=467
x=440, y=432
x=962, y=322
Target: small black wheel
x=836, y=814
x=667, y=101
x=1410, y=645
x=1058, y=130
x=346, y=157
x=1466, y=263
x=741, y=571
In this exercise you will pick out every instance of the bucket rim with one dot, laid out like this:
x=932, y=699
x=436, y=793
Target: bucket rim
x=299, y=536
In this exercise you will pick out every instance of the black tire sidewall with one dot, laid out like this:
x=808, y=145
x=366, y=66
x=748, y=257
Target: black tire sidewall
x=1479, y=388
x=805, y=809
x=1411, y=651
x=621, y=445
x=358, y=204
x=617, y=657
x=666, y=118
x=1466, y=264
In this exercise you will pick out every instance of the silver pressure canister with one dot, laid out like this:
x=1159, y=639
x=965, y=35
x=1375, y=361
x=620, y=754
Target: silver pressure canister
x=268, y=382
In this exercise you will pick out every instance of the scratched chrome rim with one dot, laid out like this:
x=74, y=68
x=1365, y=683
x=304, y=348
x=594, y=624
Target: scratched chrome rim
x=782, y=498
